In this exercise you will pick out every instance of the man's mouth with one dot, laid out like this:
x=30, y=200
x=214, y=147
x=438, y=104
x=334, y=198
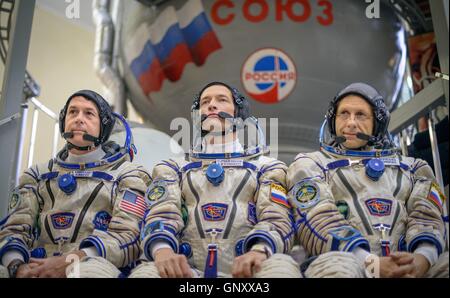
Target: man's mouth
x=78, y=131
x=350, y=135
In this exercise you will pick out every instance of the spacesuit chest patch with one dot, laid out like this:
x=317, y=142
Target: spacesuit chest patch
x=252, y=213
x=101, y=220
x=214, y=211
x=278, y=195
x=379, y=207
x=62, y=220
x=306, y=194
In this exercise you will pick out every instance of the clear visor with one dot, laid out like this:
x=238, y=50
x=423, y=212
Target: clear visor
x=121, y=134
x=325, y=137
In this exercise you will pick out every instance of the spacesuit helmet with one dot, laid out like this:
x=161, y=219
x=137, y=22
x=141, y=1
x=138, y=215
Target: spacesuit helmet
x=380, y=137
x=241, y=104
x=115, y=137
x=240, y=129
x=105, y=112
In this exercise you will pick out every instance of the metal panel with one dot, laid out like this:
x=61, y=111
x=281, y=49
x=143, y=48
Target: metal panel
x=439, y=13
x=12, y=96
x=420, y=105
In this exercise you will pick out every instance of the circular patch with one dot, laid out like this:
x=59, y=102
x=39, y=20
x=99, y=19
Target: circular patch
x=306, y=194
x=14, y=200
x=156, y=191
x=101, y=220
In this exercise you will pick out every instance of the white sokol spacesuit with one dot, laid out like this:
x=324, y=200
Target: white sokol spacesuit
x=224, y=201
x=350, y=202
x=92, y=202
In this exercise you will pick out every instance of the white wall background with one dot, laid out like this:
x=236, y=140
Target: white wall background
x=60, y=59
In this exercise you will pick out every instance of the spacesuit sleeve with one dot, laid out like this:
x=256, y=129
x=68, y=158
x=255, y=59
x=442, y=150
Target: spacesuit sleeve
x=164, y=219
x=425, y=209
x=119, y=244
x=319, y=225
x=16, y=230
x=274, y=227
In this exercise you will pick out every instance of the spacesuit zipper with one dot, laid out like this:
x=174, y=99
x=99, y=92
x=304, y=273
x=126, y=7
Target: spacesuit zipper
x=83, y=212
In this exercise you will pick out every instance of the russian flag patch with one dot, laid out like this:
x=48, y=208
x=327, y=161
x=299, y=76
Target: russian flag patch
x=278, y=195
x=436, y=196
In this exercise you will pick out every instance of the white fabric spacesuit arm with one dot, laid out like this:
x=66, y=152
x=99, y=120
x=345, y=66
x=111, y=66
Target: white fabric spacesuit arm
x=320, y=226
x=429, y=251
x=164, y=219
x=90, y=251
x=264, y=244
x=17, y=230
x=361, y=254
x=10, y=256
x=274, y=225
x=424, y=207
x=159, y=244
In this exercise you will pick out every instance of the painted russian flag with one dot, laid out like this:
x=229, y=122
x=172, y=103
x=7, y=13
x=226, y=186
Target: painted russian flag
x=162, y=50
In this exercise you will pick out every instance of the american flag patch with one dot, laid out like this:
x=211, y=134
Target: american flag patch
x=278, y=195
x=435, y=195
x=133, y=203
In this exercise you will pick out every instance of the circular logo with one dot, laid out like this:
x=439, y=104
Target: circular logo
x=269, y=75
x=14, y=200
x=155, y=194
x=306, y=193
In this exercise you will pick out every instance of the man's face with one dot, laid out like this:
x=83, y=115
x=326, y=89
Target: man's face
x=82, y=117
x=354, y=114
x=215, y=99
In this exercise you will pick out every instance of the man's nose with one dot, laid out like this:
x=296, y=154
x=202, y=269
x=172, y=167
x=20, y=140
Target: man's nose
x=212, y=105
x=79, y=118
x=351, y=121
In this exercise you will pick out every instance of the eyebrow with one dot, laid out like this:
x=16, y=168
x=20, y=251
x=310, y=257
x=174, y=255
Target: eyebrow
x=85, y=109
x=219, y=95
x=347, y=108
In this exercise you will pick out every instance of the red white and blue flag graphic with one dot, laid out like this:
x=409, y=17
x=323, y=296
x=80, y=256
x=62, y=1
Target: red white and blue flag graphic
x=435, y=196
x=176, y=38
x=133, y=203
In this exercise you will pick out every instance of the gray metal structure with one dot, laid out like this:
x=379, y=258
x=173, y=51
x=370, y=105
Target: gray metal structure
x=12, y=96
x=436, y=94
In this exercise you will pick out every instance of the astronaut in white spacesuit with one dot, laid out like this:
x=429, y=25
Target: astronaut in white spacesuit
x=86, y=203
x=361, y=208
x=223, y=212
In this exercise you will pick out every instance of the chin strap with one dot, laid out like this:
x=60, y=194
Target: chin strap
x=370, y=139
x=227, y=117
x=86, y=137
